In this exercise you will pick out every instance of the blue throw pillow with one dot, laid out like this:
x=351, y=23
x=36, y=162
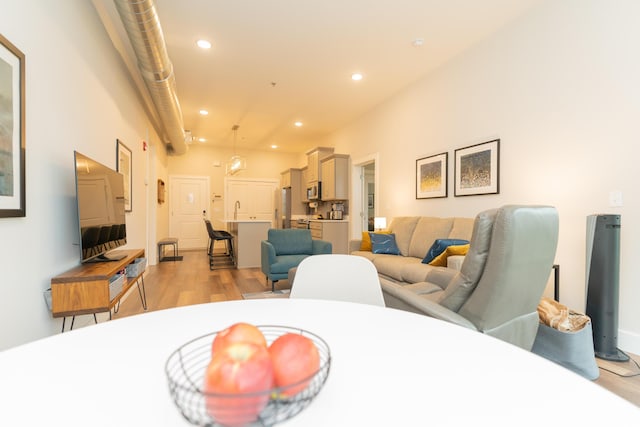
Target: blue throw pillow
x=439, y=246
x=384, y=244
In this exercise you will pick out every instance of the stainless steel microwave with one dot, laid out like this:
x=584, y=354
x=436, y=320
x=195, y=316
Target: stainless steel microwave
x=314, y=191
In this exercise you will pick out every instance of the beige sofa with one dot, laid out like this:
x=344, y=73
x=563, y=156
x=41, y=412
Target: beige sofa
x=414, y=236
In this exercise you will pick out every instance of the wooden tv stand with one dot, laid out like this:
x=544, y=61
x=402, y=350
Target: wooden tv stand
x=85, y=288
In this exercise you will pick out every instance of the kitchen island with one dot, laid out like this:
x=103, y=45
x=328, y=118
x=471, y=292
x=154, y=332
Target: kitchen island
x=248, y=233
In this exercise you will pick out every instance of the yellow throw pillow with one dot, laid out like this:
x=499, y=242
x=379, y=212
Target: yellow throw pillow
x=365, y=245
x=441, y=260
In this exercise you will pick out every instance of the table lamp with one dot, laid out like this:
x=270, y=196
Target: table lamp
x=380, y=223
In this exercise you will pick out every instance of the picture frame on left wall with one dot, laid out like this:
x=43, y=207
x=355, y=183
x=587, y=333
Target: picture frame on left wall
x=12, y=131
x=124, y=166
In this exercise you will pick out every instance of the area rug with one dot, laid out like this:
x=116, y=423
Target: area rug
x=171, y=258
x=261, y=295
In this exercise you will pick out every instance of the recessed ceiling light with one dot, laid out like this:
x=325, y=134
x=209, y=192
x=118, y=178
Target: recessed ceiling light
x=298, y=124
x=204, y=44
x=417, y=42
x=202, y=139
x=356, y=76
x=203, y=112
x=274, y=146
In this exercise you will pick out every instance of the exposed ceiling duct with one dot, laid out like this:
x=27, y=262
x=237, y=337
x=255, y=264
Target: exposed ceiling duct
x=142, y=26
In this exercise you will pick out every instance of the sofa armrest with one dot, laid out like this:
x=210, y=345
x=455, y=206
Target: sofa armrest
x=354, y=245
x=321, y=247
x=455, y=262
x=441, y=276
x=267, y=256
x=425, y=306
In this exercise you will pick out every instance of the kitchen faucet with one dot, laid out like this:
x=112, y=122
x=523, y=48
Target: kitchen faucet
x=236, y=206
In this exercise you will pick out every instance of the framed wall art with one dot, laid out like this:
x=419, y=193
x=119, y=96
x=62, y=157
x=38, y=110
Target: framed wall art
x=477, y=169
x=123, y=161
x=12, y=131
x=431, y=176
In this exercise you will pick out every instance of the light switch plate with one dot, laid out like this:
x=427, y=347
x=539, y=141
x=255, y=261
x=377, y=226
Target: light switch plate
x=615, y=198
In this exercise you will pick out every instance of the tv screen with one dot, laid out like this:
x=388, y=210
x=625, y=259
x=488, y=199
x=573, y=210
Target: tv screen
x=101, y=218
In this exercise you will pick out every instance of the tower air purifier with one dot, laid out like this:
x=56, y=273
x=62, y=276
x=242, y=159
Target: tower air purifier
x=603, y=283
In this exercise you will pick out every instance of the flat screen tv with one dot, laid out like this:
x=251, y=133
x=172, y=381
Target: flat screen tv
x=101, y=218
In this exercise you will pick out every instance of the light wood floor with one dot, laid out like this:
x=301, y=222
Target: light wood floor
x=171, y=284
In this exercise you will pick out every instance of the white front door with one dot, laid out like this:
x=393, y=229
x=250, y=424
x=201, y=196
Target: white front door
x=189, y=201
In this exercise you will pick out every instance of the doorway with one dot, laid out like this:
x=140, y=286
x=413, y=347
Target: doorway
x=366, y=194
x=188, y=204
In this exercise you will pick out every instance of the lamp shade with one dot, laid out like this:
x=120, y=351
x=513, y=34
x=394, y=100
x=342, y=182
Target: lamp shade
x=380, y=222
x=236, y=164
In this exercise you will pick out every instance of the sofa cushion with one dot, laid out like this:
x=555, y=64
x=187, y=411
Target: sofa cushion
x=414, y=272
x=439, y=246
x=462, y=228
x=291, y=241
x=365, y=254
x=441, y=260
x=384, y=244
x=403, y=227
x=463, y=283
x=365, y=245
x=393, y=266
x=427, y=230
x=423, y=288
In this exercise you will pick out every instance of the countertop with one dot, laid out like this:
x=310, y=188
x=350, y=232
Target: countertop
x=245, y=220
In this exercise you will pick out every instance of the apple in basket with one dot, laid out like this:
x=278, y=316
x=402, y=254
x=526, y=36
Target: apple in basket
x=237, y=383
x=238, y=332
x=295, y=358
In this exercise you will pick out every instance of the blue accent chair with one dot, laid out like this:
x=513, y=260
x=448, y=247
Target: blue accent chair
x=285, y=249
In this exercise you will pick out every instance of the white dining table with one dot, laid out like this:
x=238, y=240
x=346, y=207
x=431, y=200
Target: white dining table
x=388, y=367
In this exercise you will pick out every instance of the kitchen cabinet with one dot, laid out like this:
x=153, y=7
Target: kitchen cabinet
x=303, y=184
x=294, y=223
x=247, y=199
x=336, y=232
x=335, y=169
x=285, y=179
x=314, y=157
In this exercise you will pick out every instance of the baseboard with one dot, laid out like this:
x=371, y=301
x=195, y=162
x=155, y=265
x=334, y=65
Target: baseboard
x=629, y=342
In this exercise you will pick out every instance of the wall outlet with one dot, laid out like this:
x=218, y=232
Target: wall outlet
x=615, y=198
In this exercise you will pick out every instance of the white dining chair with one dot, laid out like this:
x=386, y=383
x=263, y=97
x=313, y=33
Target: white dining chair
x=337, y=277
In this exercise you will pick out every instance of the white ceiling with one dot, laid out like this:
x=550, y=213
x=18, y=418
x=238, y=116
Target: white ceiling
x=277, y=61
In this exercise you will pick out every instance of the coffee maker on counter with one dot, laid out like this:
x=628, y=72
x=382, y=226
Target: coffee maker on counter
x=337, y=210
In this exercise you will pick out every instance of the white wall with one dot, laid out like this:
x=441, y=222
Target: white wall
x=561, y=89
x=78, y=97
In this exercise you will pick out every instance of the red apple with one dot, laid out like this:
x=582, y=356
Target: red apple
x=238, y=332
x=295, y=357
x=237, y=383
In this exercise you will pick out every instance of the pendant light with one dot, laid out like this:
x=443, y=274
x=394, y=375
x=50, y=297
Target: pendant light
x=236, y=163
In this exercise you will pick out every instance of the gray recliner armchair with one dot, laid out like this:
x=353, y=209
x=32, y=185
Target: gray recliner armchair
x=502, y=278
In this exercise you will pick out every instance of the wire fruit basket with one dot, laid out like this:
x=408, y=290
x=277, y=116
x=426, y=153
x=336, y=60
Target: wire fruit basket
x=186, y=367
